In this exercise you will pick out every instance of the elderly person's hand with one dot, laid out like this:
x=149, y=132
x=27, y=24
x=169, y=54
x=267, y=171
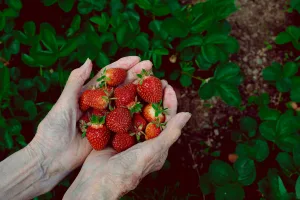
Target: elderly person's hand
x=57, y=147
x=107, y=175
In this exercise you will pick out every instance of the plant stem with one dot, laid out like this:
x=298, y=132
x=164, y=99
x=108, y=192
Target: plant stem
x=245, y=136
x=194, y=77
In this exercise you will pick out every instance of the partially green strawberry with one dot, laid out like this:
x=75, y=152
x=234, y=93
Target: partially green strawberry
x=98, y=98
x=97, y=133
x=122, y=141
x=153, y=130
x=155, y=112
x=139, y=123
x=112, y=77
x=119, y=120
x=83, y=122
x=149, y=87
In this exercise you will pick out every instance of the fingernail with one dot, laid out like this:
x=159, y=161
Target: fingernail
x=87, y=63
x=184, y=118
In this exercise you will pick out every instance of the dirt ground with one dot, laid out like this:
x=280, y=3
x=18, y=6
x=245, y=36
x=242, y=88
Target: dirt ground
x=255, y=25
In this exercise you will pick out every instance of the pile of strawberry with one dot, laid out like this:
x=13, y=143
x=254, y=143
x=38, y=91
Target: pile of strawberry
x=122, y=114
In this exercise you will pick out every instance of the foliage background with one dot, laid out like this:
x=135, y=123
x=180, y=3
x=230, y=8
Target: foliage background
x=188, y=44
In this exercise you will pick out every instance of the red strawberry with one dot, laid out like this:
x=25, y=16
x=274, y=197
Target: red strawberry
x=83, y=101
x=119, y=120
x=149, y=87
x=97, y=133
x=122, y=141
x=83, y=122
x=95, y=98
x=152, y=131
x=139, y=123
x=113, y=77
x=154, y=113
x=99, y=113
x=125, y=95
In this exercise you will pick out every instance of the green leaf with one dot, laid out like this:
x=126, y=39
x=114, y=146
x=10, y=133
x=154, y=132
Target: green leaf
x=102, y=60
x=295, y=94
x=290, y=69
x=4, y=82
x=185, y=80
x=175, y=75
x=31, y=109
x=14, y=73
x=49, y=2
x=9, y=12
x=21, y=37
x=230, y=192
x=156, y=27
x=66, y=5
x=175, y=27
x=69, y=47
x=266, y=113
x=160, y=9
x=294, y=32
x=230, y=46
x=249, y=125
x=86, y=6
x=15, y=4
x=195, y=40
x=261, y=150
x=205, y=184
x=202, y=63
x=161, y=51
x=42, y=83
x=142, y=42
x=268, y=130
x=286, y=125
x=283, y=38
x=75, y=25
x=8, y=140
x=287, y=143
x=227, y=72
x=246, y=171
x=296, y=156
x=273, y=72
x=28, y=60
x=207, y=90
x=157, y=60
x=14, y=127
x=49, y=40
x=210, y=53
x=14, y=47
x=25, y=84
x=215, y=39
x=124, y=35
x=285, y=161
x=144, y=4
x=284, y=85
x=229, y=94
x=221, y=173
x=44, y=58
x=297, y=188
x=21, y=140
x=29, y=28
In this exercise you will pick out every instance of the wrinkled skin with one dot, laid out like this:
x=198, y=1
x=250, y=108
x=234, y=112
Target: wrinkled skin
x=105, y=174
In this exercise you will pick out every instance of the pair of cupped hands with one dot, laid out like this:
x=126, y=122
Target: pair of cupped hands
x=104, y=174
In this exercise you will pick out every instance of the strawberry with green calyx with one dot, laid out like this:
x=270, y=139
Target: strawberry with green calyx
x=112, y=77
x=119, y=120
x=135, y=107
x=122, y=141
x=125, y=95
x=98, y=98
x=97, y=133
x=155, y=112
x=153, y=130
x=149, y=87
x=138, y=126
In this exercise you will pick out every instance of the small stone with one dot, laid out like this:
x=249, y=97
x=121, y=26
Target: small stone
x=255, y=72
x=254, y=35
x=216, y=131
x=255, y=78
x=205, y=114
x=245, y=59
x=249, y=87
x=195, y=166
x=259, y=61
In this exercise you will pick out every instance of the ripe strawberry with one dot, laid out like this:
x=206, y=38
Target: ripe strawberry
x=232, y=157
x=125, y=95
x=97, y=133
x=154, y=113
x=122, y=141
x=83, y=122
x=139, y=123
x=99, y=113
x=152, y=130
x=119, y=120
x=113, y=77
x=149, y=87
x=83, y=101
x=96, y=98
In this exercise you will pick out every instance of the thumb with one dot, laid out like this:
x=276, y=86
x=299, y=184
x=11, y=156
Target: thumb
x=173, y=129
x=76, y=80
